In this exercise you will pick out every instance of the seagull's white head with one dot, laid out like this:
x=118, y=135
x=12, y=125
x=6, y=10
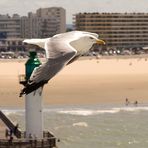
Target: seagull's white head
x=84, y=40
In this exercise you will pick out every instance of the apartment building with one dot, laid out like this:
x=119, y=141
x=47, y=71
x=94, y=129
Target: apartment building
x=10, y=26
x=126, y=30
x=46, y=22
x=55, y=18
x=30, y=26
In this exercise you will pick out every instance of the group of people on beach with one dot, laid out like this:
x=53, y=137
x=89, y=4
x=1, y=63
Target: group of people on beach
x=127, y=102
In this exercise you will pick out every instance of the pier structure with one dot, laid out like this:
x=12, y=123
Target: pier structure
x=18, y=138
x=33, y=101
x=34, y=135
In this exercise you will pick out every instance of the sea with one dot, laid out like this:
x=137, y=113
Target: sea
x=93, y=126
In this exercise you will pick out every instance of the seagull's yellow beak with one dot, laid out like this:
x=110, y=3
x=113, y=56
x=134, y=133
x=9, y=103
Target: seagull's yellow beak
x=98, y=41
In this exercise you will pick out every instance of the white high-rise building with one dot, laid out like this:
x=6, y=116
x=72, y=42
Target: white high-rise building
x=46, y=22
x=54, y=18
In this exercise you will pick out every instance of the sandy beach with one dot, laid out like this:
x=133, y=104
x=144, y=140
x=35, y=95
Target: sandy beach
x=86, y=81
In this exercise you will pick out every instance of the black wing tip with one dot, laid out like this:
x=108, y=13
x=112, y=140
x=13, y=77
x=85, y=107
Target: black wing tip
x=30, y=88
x=22, y=92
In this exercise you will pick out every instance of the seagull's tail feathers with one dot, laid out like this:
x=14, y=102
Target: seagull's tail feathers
x=38, y=42
x=30, y=88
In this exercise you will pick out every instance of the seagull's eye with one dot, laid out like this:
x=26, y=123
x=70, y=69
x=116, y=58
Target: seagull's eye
x=91, y=38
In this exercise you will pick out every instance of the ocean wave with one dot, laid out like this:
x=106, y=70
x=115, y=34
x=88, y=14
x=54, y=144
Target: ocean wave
x=9, y=112
x=82, y=124
x=80, y=111
x=85, y=112
x=132, y=109
x=77, y=112
x=88, y=112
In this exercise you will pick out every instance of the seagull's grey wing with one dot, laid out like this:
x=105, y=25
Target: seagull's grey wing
x=59, y=54
x=74, y=59
x=58, y=58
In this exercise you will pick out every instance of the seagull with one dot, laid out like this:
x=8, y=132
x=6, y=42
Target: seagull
x=60, y=50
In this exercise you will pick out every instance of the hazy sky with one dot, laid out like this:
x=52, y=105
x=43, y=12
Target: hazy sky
x=22, y=7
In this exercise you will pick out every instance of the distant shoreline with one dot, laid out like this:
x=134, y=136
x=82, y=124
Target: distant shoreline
x=87, y=57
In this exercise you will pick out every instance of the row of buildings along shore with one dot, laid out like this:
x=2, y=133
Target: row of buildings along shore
x=121, y=31
x=46, y=22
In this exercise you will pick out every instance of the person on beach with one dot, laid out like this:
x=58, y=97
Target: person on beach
x=136, y=103
x=127, y=102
